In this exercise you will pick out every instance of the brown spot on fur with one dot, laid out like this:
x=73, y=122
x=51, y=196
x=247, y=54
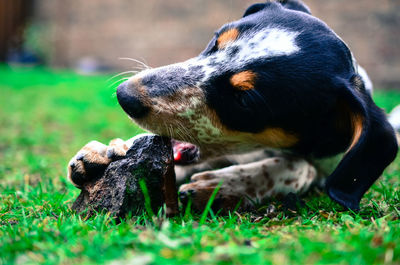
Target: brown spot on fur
x=310, y=174
x=265, y=171
x=96, y=158
x=270, y=184
x=357, y=126
x=289, y=181
x=244, y=80
x=201, y=196
x=204, y=176
x=349, y=123
x=227, y=37
x=276, y=138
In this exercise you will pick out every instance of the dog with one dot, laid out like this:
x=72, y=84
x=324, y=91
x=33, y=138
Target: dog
x=275, y=103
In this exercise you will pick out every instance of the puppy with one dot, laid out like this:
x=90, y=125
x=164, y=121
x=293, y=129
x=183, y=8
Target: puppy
x=276, y=93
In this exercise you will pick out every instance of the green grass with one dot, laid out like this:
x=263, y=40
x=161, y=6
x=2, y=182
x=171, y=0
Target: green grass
x=45, y=117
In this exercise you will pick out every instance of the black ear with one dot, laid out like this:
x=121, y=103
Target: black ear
x=254, y=9
x=372, y=149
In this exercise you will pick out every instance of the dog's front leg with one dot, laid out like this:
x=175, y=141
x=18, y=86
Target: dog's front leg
x=249, y=183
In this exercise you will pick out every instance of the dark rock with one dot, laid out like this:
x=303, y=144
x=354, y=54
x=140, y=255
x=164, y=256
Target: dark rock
x=118, y=191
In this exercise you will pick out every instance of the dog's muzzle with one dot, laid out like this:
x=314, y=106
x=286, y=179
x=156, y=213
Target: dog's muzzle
x=130, y=102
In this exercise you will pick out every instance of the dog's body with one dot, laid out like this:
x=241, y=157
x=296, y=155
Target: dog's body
x=277, y=87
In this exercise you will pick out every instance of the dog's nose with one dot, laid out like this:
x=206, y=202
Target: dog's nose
x=130, y=103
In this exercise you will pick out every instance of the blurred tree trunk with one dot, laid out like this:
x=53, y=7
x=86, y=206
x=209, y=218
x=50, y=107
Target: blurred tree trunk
x=13, y=17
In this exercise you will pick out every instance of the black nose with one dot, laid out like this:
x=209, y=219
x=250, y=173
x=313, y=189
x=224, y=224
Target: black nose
x=130, y=103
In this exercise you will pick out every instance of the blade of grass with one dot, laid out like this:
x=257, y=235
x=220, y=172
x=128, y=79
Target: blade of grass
x=209, y=203
x=147, y=202
x=188, y=211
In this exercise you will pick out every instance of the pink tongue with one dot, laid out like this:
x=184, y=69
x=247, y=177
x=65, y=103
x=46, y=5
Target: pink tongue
x=184, y=153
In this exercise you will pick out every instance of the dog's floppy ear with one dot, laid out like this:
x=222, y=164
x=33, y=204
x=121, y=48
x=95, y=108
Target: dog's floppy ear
x=371, y=150
x=254, y=9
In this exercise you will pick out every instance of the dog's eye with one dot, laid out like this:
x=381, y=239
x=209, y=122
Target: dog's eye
x=241, y=99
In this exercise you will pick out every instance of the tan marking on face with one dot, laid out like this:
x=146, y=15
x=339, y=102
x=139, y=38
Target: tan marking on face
x=244, y=80
x=276, y=138
x=357, y=126
x=227, y=37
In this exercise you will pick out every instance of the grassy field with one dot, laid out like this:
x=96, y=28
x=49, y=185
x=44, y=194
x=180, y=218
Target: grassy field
x=45, y=117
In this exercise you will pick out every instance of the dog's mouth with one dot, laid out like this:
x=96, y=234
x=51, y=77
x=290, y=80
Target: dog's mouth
x=185, y=153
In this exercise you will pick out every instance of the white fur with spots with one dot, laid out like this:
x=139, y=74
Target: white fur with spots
x=256, y=181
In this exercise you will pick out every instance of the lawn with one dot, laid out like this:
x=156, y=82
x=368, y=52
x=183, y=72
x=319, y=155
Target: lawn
x=46, y=116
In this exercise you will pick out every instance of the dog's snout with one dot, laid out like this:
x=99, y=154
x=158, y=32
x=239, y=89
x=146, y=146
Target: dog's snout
x=130, y=102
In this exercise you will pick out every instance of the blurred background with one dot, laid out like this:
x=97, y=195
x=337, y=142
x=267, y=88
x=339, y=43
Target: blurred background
x=91, y=35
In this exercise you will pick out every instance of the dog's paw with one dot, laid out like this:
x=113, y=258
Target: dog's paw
x=117, y=149
x=202, y=187
x=92, y=160
x=89, y=163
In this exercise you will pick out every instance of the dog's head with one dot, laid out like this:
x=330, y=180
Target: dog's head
x=278, y=77
x=242, y=90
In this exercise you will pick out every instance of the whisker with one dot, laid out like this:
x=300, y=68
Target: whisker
x=190, y=138
x=170, y=131
x=181, y=135
x=139, y=68
x=167, y=129
x=123, y=73
x=137, y=61
x=113, y=83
